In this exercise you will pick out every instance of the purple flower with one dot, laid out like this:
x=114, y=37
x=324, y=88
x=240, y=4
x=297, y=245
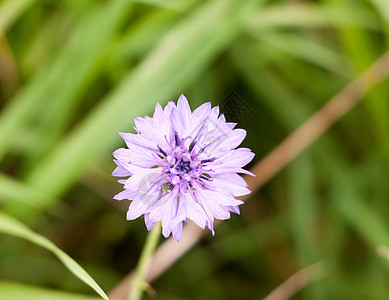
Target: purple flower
x=182, y=165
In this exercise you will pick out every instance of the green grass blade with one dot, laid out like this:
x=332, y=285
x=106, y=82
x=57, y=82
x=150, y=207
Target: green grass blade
x=11, y=226
x=172, y=5
x=302, y=47
x=358, y=46
x=382, y=7
x=358, y=215
x=84, y=63
x=19, y=291
x=310, y=16
x=181, y=57
x=234, y=246
x=10, y=10
x=58, y=84
x=304, y=215
x=14, y=190
x=144, y=34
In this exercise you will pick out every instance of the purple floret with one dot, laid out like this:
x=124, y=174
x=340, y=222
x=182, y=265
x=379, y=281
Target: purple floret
x=182, y=165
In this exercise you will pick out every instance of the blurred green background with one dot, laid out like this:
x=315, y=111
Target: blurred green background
x=74, y=72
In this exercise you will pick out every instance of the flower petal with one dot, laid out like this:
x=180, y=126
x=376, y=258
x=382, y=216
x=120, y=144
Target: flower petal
x=136, y=209
x=120, y=170
x=177, y=232
x=184, y=110
x=224, y=184
x=125, y=194
x=165, y=210
x=188, y=208
x=149, y=224
x=199, y=116
x=233, y=161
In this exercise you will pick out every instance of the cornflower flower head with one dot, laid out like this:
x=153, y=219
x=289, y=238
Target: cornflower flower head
x=182, y=165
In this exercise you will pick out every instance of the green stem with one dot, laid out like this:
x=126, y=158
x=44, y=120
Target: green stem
x=138, y=284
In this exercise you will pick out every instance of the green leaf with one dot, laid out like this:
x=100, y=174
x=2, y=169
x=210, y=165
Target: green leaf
x=52, y=87
x=19, y=291
x=9, y=12
x=359, y=215
x=304, y=213
x=11, y=226
x=14, y=190
x=309, y=15
x=173, y=5
x=305, y=48
x=382, y=7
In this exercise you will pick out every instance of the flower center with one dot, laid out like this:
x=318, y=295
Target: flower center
x=182, y=165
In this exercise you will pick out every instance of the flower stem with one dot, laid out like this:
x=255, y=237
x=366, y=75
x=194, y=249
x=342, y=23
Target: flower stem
x=137, y=284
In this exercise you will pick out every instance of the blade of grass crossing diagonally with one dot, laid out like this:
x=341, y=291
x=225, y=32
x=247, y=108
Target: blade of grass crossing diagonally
x=18, y=291
x=304, y=212
x=52, y=83
x=295, y=108
x=357, y=45
x=13, y=227
x=350, y=209
x=378, y=109
x=10, y=10
x=183, y=54
x=14, y=190
x=172, y=5
x=304, y=48
x=310, y=16
x=358, y=214
x=96, y=34
x=382, y=7
x=145, y=33
x=13, y=116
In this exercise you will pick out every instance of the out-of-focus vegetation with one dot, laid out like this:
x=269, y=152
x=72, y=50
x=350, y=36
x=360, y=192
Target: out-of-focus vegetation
x=73, y=73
